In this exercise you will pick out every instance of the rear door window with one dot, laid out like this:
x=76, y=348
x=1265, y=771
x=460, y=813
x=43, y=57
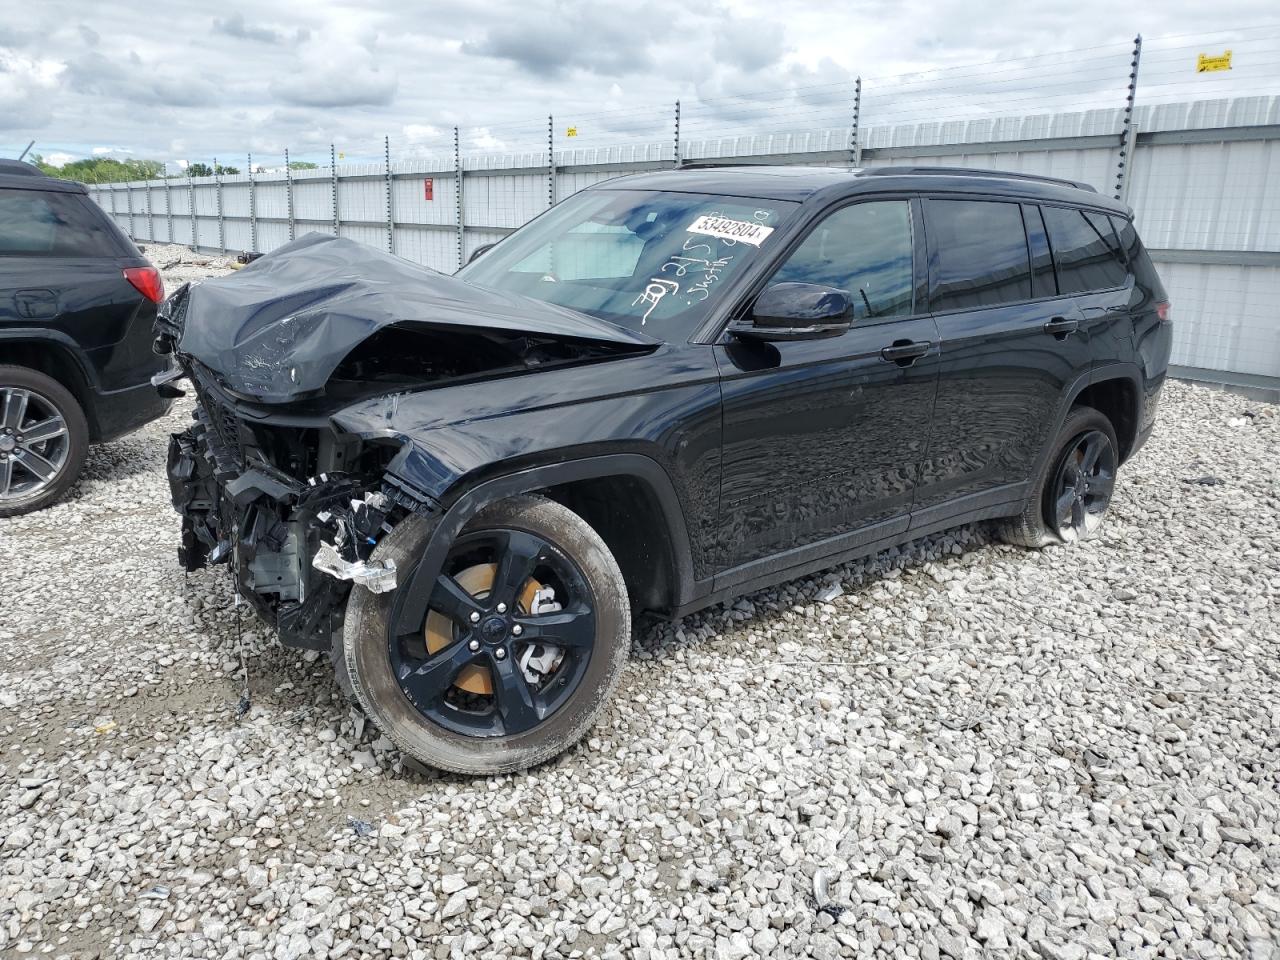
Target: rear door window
x=35, y=224
x=1085, y=250
x=977, y=253
x=863, y=249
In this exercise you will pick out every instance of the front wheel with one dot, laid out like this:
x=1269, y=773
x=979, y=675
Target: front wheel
x=1073, y=491
x=526, y=632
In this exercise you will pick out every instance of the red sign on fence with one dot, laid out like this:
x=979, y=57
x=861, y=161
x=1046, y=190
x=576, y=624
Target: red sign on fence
x=428, y=189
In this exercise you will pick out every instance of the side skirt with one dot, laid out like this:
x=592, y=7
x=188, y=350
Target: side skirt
x=748, y=578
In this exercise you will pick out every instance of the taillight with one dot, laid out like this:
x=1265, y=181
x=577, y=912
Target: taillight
x=1164, y=311
x=146, y=280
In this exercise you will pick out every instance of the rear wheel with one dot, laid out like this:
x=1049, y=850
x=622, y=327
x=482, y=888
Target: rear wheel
x=526, y=633
x=1073, y=490
x=43, y=440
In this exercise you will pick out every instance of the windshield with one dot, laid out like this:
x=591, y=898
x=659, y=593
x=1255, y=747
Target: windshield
x=653, y=262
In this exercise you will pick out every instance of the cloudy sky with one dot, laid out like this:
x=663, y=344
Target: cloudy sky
x=174, y=82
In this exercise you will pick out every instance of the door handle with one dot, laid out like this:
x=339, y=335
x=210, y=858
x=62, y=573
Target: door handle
x=905, y=352
x=1061, y=326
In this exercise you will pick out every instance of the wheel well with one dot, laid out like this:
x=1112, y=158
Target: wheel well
x=1117, y=400
x=54, y=361
x=629, y=517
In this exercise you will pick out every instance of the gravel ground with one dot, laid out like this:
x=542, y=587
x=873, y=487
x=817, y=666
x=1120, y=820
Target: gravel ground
x=958, y=749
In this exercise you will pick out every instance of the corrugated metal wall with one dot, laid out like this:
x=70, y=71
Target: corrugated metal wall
x=1204, y=182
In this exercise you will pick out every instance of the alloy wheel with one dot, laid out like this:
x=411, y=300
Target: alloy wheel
x=34, y=443
x=1082, y=486
x=509, y=632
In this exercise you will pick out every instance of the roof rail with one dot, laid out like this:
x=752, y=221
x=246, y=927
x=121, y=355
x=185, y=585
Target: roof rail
x=698, y=163
x=972, y=172
x=20, y=167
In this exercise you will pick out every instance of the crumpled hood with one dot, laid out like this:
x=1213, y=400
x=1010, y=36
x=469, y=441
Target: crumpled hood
x=278, y=328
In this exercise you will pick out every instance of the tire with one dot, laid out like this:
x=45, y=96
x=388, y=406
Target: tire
x=29, y=399
x=1036, y=526
x=371, y=656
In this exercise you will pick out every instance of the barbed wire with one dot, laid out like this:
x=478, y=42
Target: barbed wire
x=1062, y=81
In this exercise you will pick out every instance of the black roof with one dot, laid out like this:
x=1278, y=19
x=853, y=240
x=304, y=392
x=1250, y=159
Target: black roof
x=799, y=183
x=17, y=175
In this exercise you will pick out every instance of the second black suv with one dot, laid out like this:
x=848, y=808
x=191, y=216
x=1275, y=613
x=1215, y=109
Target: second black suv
x=667, y=390
x=77, y=304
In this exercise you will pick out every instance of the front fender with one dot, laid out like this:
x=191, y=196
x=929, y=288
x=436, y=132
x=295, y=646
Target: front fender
x=410, y=604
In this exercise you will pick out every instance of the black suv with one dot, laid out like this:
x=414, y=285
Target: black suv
x=77, y=304
x=667, y=390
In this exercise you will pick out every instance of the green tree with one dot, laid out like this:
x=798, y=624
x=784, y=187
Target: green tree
x=198, y=169
x=102, y=169
x=302, y=165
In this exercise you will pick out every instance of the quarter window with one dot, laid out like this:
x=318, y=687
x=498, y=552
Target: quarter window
x=979, y=253
x=864, y=249
x=34, y=224
x=1085, y=249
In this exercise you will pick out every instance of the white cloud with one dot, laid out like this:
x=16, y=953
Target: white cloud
x=59, y=159
x=282, y=74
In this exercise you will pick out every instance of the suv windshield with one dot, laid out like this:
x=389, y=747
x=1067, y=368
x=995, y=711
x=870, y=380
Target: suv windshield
x=653, y=262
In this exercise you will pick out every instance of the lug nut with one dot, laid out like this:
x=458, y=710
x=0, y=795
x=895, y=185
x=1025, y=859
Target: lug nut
x=502, y=608
x=500, y=653
x=473, y=646
x=475, y=616
x=516, y=629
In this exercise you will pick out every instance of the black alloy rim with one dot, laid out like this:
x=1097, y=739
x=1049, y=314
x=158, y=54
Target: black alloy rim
x=494, y=632
x=1083, y=485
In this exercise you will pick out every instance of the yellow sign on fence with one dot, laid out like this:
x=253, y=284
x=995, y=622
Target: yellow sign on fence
x=571, y=132
x=1208, y=64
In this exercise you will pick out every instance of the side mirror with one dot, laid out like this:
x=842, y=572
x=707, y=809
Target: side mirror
x=797, y=311
x=480, y=251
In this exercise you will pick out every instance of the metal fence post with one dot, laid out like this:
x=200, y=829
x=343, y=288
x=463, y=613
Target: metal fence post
x=111, y=192
x=855, y=144
x=677, y=133
x=391, y=224
x=217, y=179
x=1126, y=126
x=128, y=199
x=551, y=161
x=457, y=194
x=333, y=189
x=288, y=190
x=151, y=220
x=168, y=207
x=191, y=208
x=253, y=209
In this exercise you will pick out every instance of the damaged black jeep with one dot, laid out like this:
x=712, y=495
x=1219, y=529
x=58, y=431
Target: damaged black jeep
x=667, y=390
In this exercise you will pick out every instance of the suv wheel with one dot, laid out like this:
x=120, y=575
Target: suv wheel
x=1073, y=491
x=43, y=440
x=526, y=633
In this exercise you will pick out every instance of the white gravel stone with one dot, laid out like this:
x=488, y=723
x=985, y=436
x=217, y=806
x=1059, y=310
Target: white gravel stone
x=979, y=750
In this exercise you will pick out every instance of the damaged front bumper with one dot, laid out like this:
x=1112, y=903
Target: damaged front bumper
x=291, y=504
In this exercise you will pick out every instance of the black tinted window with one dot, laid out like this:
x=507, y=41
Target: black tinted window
x=864, y=249
x=1085, y=249
x=979, y=253
x=51, y=225
x=1043, y=283
x=1128, y=238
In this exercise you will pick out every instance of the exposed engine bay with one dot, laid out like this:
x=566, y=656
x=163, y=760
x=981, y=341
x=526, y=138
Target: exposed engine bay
x=268, y=480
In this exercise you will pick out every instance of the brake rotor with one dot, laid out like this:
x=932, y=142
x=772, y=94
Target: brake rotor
x=477, y=581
